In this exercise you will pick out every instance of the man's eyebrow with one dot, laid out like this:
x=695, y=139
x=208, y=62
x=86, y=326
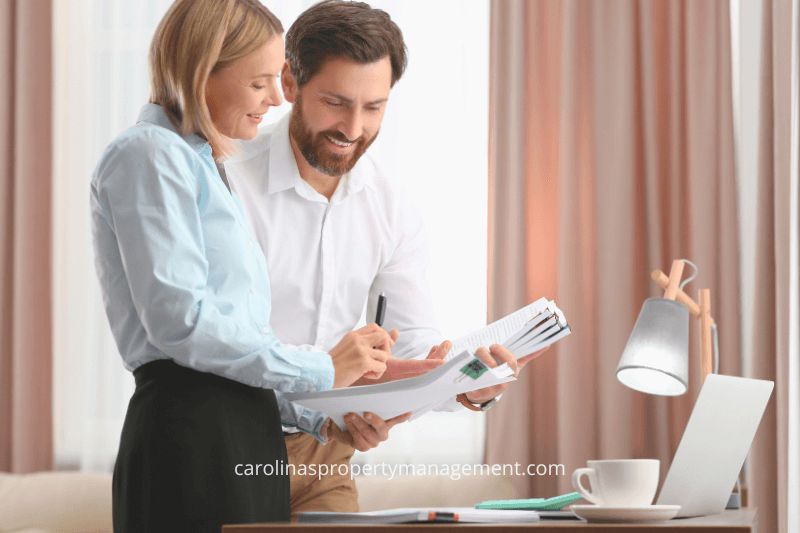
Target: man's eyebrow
x=265, y=75
x=349, y=100
x=378, y=101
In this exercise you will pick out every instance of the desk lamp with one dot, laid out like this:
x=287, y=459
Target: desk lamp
x=656, y=358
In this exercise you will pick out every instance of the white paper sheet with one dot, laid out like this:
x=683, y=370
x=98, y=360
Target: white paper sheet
x=525, y=331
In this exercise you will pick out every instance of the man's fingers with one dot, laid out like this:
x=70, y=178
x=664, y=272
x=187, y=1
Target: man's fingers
x=403, y=368
x=483, y=354
x=440, y=350
x=411, y=368
x=502, y=354
x=486, y=394
x=394, y=334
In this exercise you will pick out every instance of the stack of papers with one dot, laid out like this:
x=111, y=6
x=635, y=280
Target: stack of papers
x=420, y=514
x=523, y=332
x=420, y=394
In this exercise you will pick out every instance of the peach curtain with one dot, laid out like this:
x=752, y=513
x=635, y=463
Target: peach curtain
x=25, y=264
x=769, y=466
x=611, y=153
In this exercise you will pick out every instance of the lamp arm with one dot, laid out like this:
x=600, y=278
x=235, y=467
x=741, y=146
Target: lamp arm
x=663, y=280
x=706, y=334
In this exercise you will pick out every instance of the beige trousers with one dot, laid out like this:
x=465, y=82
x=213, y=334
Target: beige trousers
x=333, y=492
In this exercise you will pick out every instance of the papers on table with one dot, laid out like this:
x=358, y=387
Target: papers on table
x=421, y=514
x=523, y=332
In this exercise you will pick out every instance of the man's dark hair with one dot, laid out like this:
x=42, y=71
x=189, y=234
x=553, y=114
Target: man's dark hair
x=336, y=28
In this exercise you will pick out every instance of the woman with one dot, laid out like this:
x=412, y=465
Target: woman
x=186, y=290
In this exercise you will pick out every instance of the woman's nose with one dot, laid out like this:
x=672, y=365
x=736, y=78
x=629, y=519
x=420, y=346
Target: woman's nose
x=274, y=97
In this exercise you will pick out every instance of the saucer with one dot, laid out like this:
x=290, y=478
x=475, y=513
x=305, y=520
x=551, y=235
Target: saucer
x=609, y=513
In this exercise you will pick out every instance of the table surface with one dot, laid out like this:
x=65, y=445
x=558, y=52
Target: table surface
x=739, y=521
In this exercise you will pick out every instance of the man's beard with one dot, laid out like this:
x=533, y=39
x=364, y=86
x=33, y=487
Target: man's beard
x=314, y=148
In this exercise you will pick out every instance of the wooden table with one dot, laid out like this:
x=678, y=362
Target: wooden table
x=740, y=521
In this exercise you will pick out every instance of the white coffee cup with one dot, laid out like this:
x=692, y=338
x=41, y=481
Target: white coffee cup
x=619, y=482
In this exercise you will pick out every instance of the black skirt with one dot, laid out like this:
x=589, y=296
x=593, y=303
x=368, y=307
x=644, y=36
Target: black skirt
x=186, y=443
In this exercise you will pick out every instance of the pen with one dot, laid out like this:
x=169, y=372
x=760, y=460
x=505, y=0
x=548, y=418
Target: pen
x=381, y=311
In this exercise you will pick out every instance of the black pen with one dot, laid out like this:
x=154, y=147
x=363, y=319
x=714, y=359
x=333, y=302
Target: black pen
x=381, y=311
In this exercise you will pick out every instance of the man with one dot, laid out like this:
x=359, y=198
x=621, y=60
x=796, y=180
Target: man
x=334, y=231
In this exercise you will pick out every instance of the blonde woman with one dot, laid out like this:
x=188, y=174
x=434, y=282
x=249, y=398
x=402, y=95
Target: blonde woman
x=186, y=288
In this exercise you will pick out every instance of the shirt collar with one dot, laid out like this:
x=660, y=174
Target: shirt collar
x=155, y=114
x=284, y=174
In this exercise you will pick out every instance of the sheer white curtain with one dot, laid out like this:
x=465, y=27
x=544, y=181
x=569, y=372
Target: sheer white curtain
x=100, y=64
x=434, y=139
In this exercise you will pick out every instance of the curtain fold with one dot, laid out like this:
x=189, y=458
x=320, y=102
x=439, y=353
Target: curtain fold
x=611, y=153
x=768, y=470
x=25, y=236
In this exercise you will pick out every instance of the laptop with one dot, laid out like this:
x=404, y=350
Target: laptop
x=715, y=444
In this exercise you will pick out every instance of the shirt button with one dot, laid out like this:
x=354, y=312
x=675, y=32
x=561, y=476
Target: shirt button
x=252, y=290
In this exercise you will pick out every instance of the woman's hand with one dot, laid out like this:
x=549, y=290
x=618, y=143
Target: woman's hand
x=362, y=352
x=363, y=433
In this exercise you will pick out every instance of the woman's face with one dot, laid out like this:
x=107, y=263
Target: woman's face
x=239, y=94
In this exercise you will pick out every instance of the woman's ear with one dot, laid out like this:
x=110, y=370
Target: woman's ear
x=288, y=83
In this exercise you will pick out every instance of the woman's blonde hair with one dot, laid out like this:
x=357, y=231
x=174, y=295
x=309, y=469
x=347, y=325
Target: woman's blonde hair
x=194, y=39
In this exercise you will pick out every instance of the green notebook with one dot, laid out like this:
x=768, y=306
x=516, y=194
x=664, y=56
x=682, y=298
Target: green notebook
x=532, y=504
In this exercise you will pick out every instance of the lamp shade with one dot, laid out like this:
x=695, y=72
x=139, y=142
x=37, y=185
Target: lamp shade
x=656, y=358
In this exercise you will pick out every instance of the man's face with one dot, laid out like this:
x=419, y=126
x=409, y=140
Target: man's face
x=337, y=114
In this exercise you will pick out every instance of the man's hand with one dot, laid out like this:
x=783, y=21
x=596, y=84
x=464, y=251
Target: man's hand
x=363, y=433
x=498, y=354
x=397, y=368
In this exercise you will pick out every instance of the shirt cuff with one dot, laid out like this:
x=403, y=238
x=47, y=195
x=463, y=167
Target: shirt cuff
x=317, y=369
x=297, y=416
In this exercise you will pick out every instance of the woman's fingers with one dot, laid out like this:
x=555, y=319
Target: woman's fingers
x=364, y=436
x=399, y=419
x=378, y=339
x=370, y=430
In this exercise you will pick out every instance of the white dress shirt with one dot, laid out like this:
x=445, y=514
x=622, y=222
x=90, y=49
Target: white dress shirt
x=328, y=260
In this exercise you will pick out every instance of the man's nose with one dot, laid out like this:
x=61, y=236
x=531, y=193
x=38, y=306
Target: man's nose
x=353, y=125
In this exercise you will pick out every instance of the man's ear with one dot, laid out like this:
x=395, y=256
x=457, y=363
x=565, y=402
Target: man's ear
x=288, y=83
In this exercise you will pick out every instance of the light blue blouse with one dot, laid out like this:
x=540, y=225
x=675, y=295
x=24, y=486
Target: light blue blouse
x=181, y=273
